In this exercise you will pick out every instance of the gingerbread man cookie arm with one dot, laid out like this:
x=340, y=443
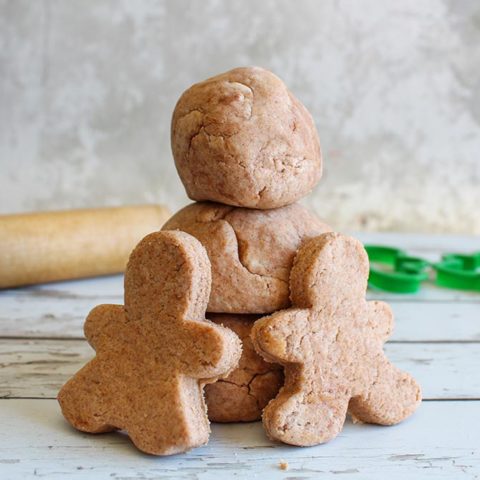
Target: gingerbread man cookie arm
x=278, y=337
x=214, y=353
x=380, y=317
x=102, y=324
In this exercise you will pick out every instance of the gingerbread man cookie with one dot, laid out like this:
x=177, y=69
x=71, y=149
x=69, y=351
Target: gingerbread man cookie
x=331, y=344
x=154, y=354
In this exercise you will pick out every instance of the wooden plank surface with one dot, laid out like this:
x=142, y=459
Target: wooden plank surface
x=437, y=339
x=441, y=441
x=38, y=368
x=414, y=321
x=58, y=298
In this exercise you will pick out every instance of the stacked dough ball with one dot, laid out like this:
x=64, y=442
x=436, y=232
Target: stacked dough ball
x=246, y=150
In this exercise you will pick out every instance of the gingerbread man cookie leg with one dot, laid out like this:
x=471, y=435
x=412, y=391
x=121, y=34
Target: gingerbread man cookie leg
x=297, y=415
x=331, y=344
x=305, y=418
x=381, y=405
x=393, y=397
x=154, y=355
x=88, y=398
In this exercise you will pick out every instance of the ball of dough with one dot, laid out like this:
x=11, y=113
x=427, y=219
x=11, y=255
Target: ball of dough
x=241, y=138
x=251, y=251
x=242, y=395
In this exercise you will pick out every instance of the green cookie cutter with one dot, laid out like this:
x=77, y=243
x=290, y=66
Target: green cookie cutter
x=459, y=271
x=405, y=275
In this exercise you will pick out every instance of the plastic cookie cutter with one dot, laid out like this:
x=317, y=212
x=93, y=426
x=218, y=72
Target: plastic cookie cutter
x=400, y=273
x=459, y=271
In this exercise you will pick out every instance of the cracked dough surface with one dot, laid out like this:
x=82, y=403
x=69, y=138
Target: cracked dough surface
x=251, y=251
x=241, y=138
x=242, y=395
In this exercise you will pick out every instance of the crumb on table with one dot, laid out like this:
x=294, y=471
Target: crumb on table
x=283, y=465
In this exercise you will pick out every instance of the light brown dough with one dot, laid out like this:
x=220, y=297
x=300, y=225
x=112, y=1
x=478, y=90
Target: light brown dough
x=251, y=251
x=154, y=354
x=242, y=395
x=331, y=344
x=241, y=138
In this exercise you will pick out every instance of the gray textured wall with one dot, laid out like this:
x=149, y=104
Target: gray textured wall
x=87, y=89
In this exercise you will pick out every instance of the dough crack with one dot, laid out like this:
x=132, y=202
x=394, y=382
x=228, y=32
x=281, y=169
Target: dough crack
x=242, y=260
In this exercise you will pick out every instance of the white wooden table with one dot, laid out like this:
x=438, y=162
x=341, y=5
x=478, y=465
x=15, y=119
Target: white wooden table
x=437, y=339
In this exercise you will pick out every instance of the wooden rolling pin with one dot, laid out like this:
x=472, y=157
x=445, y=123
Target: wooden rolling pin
x=49, y=246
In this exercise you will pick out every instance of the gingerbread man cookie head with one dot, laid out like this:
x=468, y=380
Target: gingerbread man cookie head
x=154, y=355
x=330, y=269
x=168, y=278
x=331, y=345
x=241, y=138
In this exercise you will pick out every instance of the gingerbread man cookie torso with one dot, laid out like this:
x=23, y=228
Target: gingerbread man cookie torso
x=331, y=344
x=154, y=354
